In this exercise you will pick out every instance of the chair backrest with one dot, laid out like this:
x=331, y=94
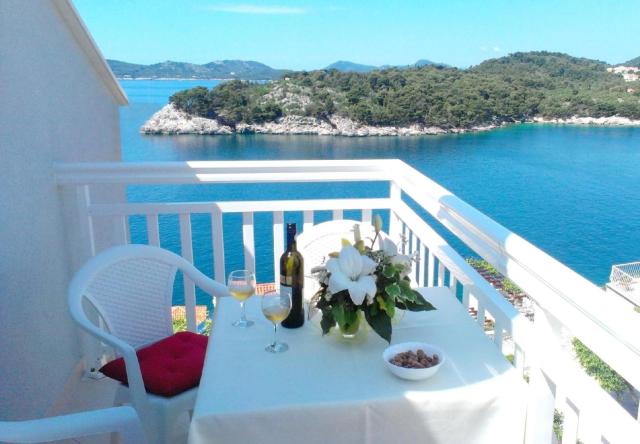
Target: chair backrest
x=315, y=244
x=133, y=296
x=131, y=287
x=122, y=420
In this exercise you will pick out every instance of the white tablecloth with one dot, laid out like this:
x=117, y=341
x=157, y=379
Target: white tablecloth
x=326, y=391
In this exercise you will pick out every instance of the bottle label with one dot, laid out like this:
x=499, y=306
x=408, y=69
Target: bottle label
x=286, y=280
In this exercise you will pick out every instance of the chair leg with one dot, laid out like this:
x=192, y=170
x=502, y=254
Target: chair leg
x=159, y=427
x=167, y=427
x=114, y=438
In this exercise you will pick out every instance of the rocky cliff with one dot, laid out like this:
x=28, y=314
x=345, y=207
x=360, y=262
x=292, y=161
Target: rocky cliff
x=170, y=120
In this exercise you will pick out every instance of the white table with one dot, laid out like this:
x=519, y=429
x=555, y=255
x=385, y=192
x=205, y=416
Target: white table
x=324, y=390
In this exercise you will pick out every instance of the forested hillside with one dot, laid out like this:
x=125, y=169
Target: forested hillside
x=633, y=62
x=518, y=87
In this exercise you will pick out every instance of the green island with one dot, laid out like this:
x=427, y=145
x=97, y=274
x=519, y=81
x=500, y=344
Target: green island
x=521, y=87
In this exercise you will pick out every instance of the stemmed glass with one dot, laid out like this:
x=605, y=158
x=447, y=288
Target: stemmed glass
x=242, y=285
x=276, y=308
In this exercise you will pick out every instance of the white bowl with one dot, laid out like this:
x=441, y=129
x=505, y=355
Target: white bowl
x=413, y=374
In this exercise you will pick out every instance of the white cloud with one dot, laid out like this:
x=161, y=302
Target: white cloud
x=256, y=9
x=483, y=48
x=496, y=49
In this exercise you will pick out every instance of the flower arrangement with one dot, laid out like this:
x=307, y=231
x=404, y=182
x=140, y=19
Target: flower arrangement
x=365, y=280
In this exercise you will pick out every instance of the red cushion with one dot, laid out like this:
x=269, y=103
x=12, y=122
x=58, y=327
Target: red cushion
x=169, y=367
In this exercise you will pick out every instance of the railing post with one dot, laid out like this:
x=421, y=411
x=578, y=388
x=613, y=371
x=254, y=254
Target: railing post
x=278, y=245
x=307, y=220
x=186, y=250
x=481, y=312
x=453, y=284
x=366, y=216
x=218, y=245
x=570, y=422
x=248, y=242
x=465, y=296
x=395, y=224
x=410, y=242
x=153, y=230
x=431, y=269
x=541, y=402
x=422, y=265
x=92, y=350
x=121, y=230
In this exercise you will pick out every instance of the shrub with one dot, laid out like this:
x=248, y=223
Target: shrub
x=594, y=366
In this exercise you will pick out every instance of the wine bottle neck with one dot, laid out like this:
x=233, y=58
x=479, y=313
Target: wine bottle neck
x=291, y=237
x=291, y=242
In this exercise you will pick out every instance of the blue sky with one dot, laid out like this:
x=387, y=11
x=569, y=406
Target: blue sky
x=312, y=34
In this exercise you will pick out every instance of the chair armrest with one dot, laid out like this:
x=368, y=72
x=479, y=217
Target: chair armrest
x=211, y=287
x=123, y=420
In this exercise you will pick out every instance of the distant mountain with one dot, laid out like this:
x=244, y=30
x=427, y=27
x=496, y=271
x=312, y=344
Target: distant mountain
x=632, y=62
x=346, y=66
x=542, y=64
x=223, y=69
x=425, y=62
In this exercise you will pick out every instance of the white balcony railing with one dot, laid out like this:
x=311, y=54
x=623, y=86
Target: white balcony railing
x=625, y=280
x=567, y=299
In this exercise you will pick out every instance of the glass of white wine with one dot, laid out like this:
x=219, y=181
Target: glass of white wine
x=276, y=307
x=242, y=285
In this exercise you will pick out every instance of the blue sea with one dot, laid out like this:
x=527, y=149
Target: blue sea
x=572, y=191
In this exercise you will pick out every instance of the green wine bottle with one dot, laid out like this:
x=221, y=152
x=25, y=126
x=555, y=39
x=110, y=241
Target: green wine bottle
x=292, y=279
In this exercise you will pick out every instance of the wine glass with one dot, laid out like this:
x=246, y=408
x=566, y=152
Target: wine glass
x=242, y=285
x=276, y=308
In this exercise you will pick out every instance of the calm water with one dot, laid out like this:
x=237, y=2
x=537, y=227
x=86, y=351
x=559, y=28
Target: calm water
x=572, y=191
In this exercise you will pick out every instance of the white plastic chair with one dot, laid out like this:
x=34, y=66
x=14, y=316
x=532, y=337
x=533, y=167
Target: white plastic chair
x=122, y=420
x=317, y=242
x=131, y=288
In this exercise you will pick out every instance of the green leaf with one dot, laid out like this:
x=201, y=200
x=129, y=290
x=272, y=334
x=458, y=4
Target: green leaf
x=373, y=308
x=388, y=271
x=421, y=304
x=390, y=307
x=407, y=292
x=327, y=321
x=344, y=316
x=380, y=323
x=393, y=290
x=338, y=314
x=381, y=303
x=405, y=285
x=351, y=318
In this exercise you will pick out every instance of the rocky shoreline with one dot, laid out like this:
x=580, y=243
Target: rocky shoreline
x=170, y=120
x=602, y=121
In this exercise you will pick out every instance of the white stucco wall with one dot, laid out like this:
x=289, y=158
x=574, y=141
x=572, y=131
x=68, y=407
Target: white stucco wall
x=53, y=107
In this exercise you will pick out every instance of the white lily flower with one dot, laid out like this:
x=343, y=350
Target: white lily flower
x=353, y=272
x=404, y=260
x=391, y=250
x=388, y=246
